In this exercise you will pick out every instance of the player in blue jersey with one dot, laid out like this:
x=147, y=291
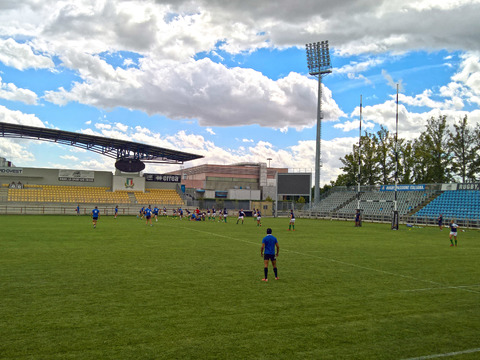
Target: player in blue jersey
x=267, y=251
x=148, y=215
x=140, y=213
x=292, y=221
x=453, y=232
x=116, y=212
x=95, y=216
x=180, y=213
x=77, y=210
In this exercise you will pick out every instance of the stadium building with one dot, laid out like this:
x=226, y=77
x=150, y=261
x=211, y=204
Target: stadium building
x=28, y=190
x=246, y=181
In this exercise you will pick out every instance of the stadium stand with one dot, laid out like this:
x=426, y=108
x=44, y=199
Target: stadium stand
x=159, y=196
x=460, y=204
x=375, y=202
x=85, y=194
x=336, y=200
x=67, y=194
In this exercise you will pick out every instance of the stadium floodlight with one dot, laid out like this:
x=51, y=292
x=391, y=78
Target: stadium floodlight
x=319, y=64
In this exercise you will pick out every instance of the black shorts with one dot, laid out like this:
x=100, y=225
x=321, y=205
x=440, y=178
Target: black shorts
x=269, y=257
x=148, y=217
x=95, y=218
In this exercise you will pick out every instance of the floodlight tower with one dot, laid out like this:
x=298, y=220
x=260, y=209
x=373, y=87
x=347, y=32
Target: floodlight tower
x=318, y=60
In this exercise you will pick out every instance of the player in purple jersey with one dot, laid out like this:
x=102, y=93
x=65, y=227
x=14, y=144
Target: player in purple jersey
x=292, y=221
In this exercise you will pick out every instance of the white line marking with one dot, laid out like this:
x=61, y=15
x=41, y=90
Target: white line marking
x=440, y=288
x=470, y=351
x=440, y=285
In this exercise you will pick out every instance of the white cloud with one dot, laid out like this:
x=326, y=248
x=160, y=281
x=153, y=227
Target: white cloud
x=69, y=157
x=21, y=56
x=247, y=140
x=15, y=150
x=18, y=117
x=210, y=131
x=354, y=125
x=191, y=90
x=121, y=127
x=355, y=68
x=392, y=83
x=9, y=91
x=103, y=126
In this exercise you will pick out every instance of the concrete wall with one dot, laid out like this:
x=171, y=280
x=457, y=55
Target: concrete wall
x=243, y=194
x=43, y=176
x=128, y=183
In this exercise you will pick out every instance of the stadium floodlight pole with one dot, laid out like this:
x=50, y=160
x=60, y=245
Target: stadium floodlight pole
x=359, y=156
x=319, y=64
x=396, y=152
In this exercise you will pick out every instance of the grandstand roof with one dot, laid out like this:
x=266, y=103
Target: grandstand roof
x=114, y=148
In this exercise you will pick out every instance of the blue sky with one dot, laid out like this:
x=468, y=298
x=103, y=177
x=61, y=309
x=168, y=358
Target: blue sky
x=229, y=80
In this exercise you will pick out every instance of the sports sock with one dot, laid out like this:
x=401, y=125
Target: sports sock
x=451, y=241
x=265, y=271
x=289, y=227
x=455, y=242
x=275, y=271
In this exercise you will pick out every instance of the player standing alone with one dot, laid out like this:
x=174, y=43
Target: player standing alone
x=269, y=243
x=259, y=218
x=116, y=212
x=453, y=232
x=292, y=221
x=95, y=216
x=358, y=219
x=440, y=222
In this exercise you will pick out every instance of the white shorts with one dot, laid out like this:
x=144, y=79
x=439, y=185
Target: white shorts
x=240, y=218
x=292, y=220
x=259, y=218
x=453, y=233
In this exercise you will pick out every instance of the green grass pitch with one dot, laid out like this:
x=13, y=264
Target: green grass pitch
x=190, y=290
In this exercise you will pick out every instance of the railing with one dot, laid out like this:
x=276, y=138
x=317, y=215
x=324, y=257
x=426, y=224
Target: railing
x=413, y=220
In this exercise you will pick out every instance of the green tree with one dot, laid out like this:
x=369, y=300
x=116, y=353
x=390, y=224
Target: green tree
x=370, y=171
x=475, y=169
x=463, y=148
x=432, y=153
x=350, y=169
x=406, y=162
x=385, y=150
